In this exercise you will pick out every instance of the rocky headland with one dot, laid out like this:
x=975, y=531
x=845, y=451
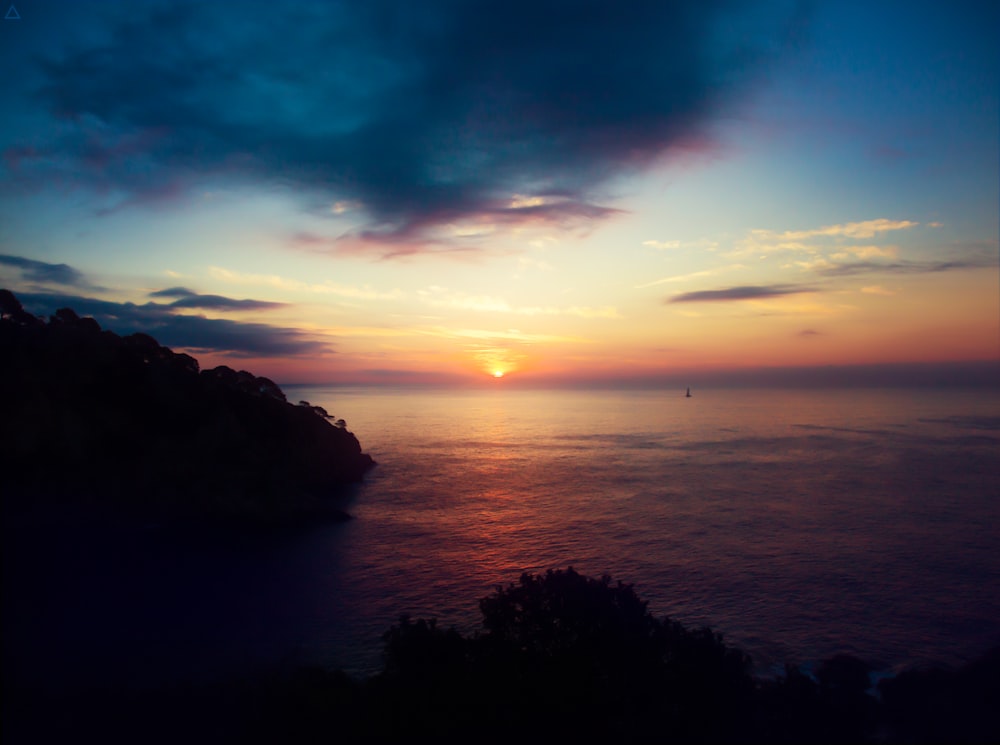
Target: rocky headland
x=95, y=418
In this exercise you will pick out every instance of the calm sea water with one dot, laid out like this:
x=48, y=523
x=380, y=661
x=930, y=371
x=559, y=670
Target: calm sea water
x=799, y=524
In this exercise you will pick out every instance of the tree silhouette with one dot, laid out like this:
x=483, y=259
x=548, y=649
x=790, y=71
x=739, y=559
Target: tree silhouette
x=91, y=415
x=565, y=655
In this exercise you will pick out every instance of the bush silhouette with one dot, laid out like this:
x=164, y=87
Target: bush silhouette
x=565, y=655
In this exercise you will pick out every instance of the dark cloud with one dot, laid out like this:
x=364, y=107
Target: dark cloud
x=905, y=267
x=188, y=299
x=40, y=271
x=181, y=331
x=747, y=292
x=233, y=337
x=180, y=292
x=424, y=114
x=384, y=247
x=418, y=236
x=810, y=332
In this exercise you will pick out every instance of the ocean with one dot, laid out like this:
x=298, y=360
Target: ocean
x=799, y=524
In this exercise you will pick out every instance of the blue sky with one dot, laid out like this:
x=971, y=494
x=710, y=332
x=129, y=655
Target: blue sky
x=553, y=191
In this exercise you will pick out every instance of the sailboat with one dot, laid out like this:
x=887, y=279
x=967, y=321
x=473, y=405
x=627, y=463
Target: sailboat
x=688, y=394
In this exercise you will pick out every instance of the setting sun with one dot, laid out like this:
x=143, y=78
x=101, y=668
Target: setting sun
x=498, y=373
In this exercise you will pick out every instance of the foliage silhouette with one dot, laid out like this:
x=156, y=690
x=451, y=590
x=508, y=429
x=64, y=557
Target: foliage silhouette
x=565, y=655
x=944, y=705
x=127, y=421
x=560, y=658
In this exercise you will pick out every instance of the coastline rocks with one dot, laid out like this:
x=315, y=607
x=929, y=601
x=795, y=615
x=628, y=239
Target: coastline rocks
x=90, y=415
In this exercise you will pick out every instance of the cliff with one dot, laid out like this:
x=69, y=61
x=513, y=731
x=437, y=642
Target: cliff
x=95, y=417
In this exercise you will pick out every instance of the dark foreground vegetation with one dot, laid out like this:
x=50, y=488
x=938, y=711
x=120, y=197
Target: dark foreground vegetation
x=125, y=421
x=560, y=658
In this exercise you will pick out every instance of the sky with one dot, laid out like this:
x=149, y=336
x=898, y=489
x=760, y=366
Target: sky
x=505, y=193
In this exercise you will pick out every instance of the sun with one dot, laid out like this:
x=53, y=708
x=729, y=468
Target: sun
x=498, y=373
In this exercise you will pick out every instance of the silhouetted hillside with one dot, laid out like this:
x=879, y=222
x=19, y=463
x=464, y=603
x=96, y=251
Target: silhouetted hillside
x=91, y=415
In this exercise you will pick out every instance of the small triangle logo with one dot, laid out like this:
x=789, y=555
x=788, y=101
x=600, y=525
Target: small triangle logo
x=12, y=14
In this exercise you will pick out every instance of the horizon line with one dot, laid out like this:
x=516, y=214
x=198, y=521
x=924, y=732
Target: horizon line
x=972, y=374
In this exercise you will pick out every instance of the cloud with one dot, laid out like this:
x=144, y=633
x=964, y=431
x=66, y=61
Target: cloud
x=174, y=292
x=364, y=292
x=972, y=255
x=702, y=243
x=903, y=267
x=45, y=273
x=877, y=290
x=456, y=235
x=747, y=292
x=812, y=264
x=866, y=252
x=864, y=229
x=816, y=241
x=407, y=117
x=182, y=331
x=233, y=337
x=384, y=246
x=188, y=299
x=690, y=276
